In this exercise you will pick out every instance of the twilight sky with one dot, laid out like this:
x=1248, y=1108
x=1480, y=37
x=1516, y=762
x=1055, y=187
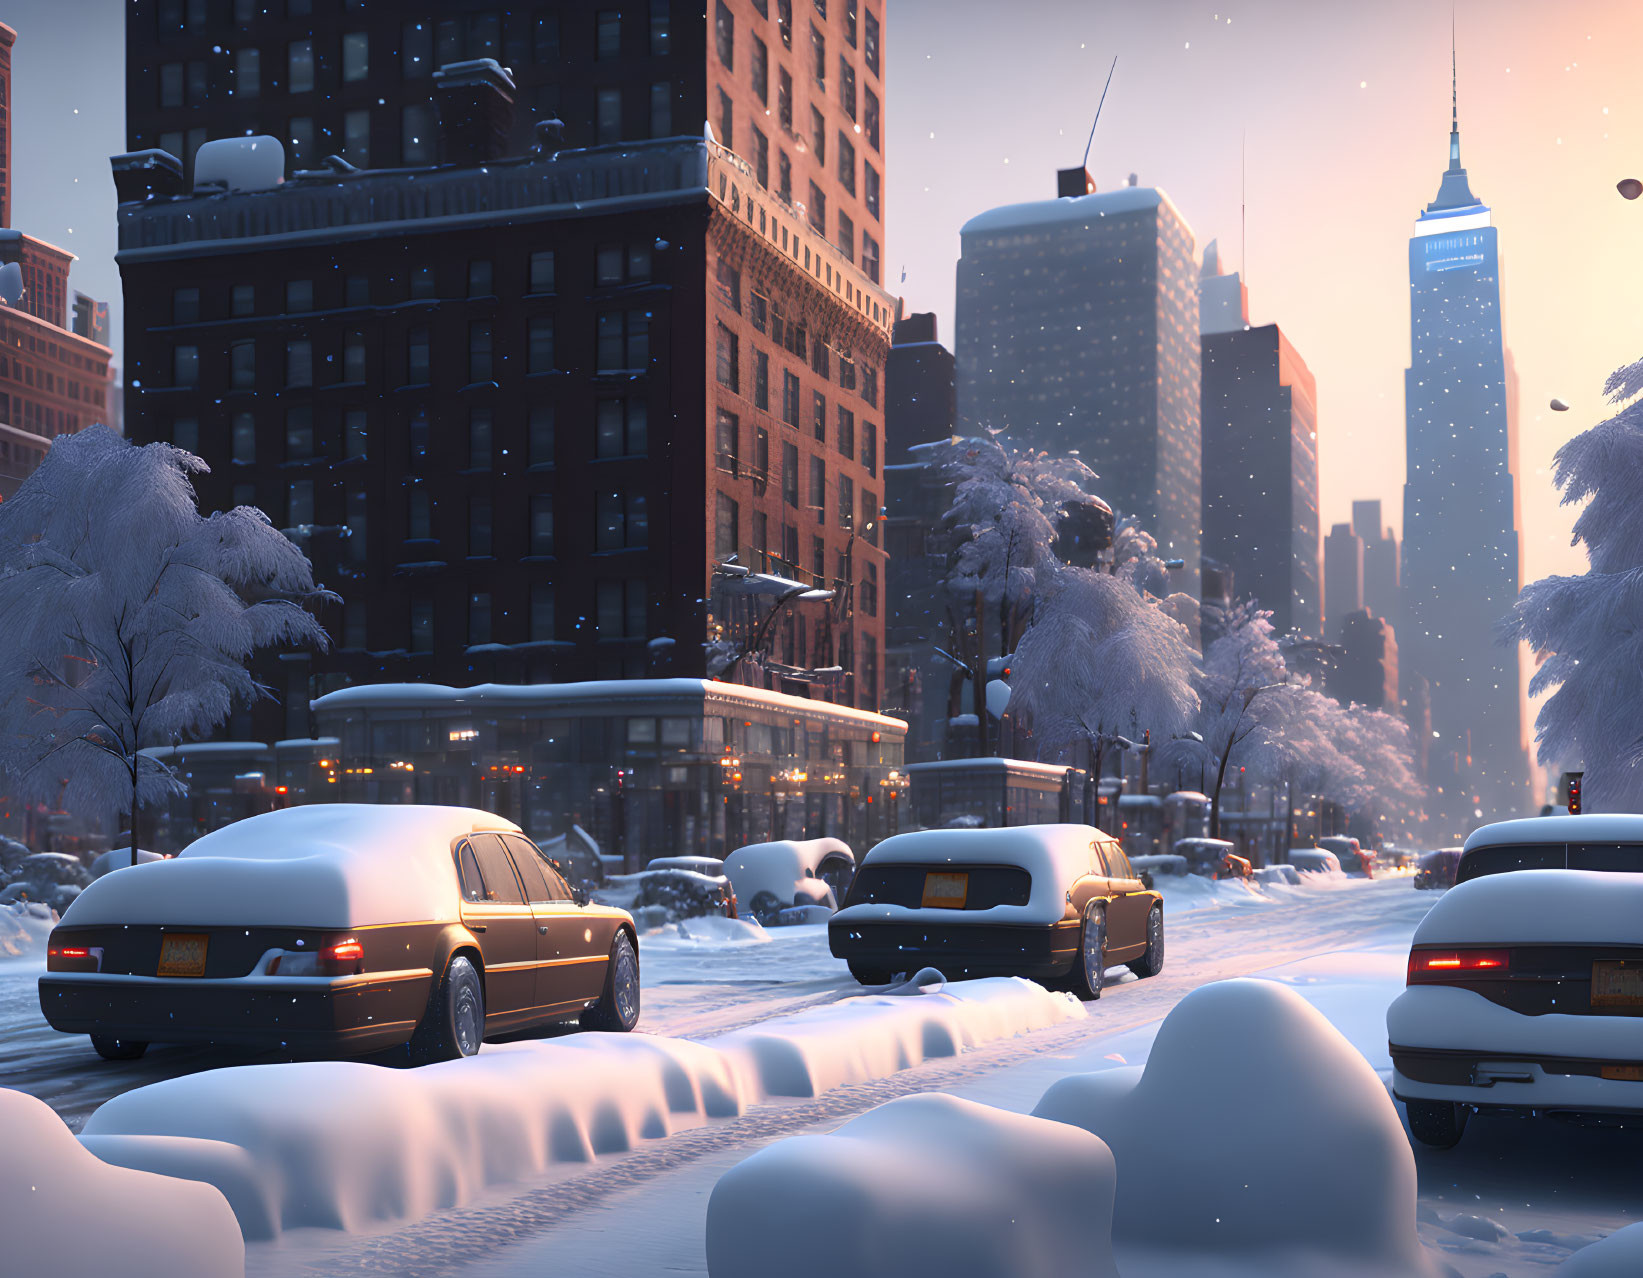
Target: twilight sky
x=1345, y=105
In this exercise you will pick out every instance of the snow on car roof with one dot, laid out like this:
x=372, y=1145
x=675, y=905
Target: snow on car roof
x=1588, y=827
x=781, y=866
x=1530, y=906
x=323, y=865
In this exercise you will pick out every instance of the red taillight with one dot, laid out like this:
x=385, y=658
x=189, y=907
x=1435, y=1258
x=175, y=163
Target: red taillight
x=69, y=951
x=1436, y=966
x=342, y=959
x=73, y=958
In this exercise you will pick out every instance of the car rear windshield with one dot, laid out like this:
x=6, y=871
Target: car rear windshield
x=1501, y=858
x=987, y=885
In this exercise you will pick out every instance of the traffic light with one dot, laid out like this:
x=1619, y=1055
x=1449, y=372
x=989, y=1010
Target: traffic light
x=1574, y=792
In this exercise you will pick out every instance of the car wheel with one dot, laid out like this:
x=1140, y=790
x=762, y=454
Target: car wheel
x=870, y=975
x=1091, y=967
x=764, y=907
x=1439, y=1124
x=617, y=1010
x=454, y=1024
x=1152, y=962
x=117, y=1049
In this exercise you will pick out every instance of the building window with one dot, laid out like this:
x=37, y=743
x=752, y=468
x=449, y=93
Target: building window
x=761, y=459
x=248, y=73
x=727, y=432
x=542, y=271
x=847, y=163
x=416, y=50
x=356, y=433
x=619, y=611
x=244, y=441
x=847, y=86
x=661, y=109
x=623, y=341
x=171, y=84
x=422, y=625
x=847, y=502
x=608, y=38
x=542, y=524
x=850, y=22
x=818, y=56
x=422, y=282
x=479, y=439
x=620, y=521
x=818, y=137
x=299, y=504
x=417, y=134
x=870, y=45
x=356, y=138
x=539, y=337
x=761, y=161
x=784, y=181
x=818, y=209
x=758, y=310
x=761, y=379
x=299, y=363
x=416, y=432
x=784, y=22
x=821, y=359
x=660, y=33
x=356, y=56
x=299, y=432
x=242, y=300
x=790, y=398
x=870, y=384
x=607, y=116
x=818, y=414
x=818, y=489
x=870, y=447
x=728, y=360
x=419, y=519
x=870, y=189
x=727, y=122
x=761, y=70
x=300, y=67
x=724, y=35
x=542, y=618
x=870, y=517
x=790, y=475
x=299, y=296
x=868, y=592
x=846, y=440
x=185, y=434
x=870, y=257
x=725, y=528
x=479, y=527
x=479, y=618
x=479, y=277
x=354, y=631
x=185, y=366
x=545, y=39
x=621, y=428
x=242, y=366
x=847, y=236
x=355, y=513
x=870, y=117
x=541, y=435
x=784, y=99
x=416, y=357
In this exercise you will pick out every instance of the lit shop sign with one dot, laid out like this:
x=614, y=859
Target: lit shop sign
x=1450, y=252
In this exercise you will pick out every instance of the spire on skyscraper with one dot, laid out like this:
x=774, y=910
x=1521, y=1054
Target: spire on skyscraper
x=1454, y=192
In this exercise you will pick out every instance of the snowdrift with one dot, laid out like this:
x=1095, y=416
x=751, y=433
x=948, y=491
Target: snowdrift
x=1256, y=1141
x=24, y=927
x=1620, y=1255
x=922, y=1185
x=66, y=1214
x=343, y=1145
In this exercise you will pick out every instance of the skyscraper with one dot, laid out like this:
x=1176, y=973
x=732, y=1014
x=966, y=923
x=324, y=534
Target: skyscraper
x=1260, y=425
x=1380, y=560
x=1343, y=577
x=1078, y=331
x=1460, y=551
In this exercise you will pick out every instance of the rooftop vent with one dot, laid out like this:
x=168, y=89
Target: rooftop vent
x=240, y=164
x=140, y=174
x=1074, y=182
x=476, y=105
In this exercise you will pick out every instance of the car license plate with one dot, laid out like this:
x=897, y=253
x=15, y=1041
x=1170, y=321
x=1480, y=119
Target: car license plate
x=1626, y=1073
x=945, y=891
x=183, y=954
x=1616, y=983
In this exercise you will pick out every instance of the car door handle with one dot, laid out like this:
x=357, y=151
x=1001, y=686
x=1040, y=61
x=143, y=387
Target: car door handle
x=542, y=928
x=476, y=927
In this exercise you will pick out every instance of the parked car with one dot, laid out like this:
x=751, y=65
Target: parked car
x=774, y=877
x=1314, y=861
x=660, y=894
x=1208, y=857
x=1525, y=994
x=1154, y=864
x=340, y=929
x=1351, y=855
x=1437, y=869
x=1590, y=841
x=1055, y=903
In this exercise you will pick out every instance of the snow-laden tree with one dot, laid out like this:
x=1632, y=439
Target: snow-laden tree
x=1388, y=791
x=1101, y=663
x=1310, y=753
x=1590, y=626
x=128, y=618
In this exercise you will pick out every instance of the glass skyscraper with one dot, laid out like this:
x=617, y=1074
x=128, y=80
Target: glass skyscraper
x=1460, y=550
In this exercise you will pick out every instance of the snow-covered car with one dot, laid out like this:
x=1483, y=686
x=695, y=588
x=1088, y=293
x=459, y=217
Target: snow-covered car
x=1314, y=861
x=772, y=877
x=1212, y=858
x=1056, y=903
x=1525, y=993
x=1156, y=863
x=1588, y=841
x=1350, y=855
x=1437, y=869
x=661, y=893
x=340, y=929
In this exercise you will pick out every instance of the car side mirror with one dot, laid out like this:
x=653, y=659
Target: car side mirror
x=579, y=894
x=1146, y=879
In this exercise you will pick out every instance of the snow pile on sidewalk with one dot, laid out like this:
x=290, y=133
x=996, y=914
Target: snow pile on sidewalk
x=1255, y=1141
x=24, y=927
x=1270, y=886
x=342, y=1144
x=923, y=1185
x=1620, y=1255
x=65, y=1214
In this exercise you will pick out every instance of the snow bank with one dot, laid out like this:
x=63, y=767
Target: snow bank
x=708, y=930
x=786, y=868
x=66, y=1214
x=343, y=1144
x=24, y=927
x=1620, y=1255
x=1257, y=1140
x=1537, y=906
x=923, y=1185
x=323, y=865
x=120, y=859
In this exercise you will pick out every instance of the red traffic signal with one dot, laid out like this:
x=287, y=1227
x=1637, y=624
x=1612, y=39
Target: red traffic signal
x=1574, y=793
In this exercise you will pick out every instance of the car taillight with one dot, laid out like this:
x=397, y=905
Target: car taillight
x=342, y=959
x=74, y=958
x=1437, y=966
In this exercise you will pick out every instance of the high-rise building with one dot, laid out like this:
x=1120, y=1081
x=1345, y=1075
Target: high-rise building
x=1365, y=670
x=591, y=411
x=1343, y=577
x=1380, y=560
x=53, y=379
x=1260, y=468
x=1078, y=332
x=1460, y=551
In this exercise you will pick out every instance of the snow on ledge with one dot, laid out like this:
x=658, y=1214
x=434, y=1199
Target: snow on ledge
x=346, y=1145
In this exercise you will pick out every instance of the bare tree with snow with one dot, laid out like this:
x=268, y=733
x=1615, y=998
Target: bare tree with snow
x=129, y=618
x=1591, y=626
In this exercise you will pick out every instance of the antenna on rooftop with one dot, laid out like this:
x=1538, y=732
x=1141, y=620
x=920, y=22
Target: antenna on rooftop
x=1098, y=107
x=1243, y=207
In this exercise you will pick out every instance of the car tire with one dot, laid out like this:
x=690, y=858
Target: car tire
x=117, y=1049
x=617, y=1010
x=870, y=975
x=454, y=1024
x=1439, y=1124
x=1090, y=968
x=1152, y=962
